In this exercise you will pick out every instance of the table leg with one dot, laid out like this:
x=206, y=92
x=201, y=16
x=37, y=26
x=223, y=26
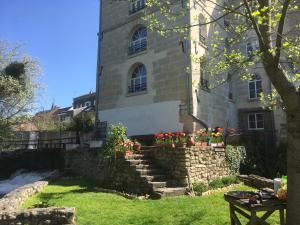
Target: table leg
x=231, y=214
x=281, y=213
x=253, y=220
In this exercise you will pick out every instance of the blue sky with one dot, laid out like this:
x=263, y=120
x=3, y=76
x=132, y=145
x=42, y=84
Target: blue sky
x=62, y=35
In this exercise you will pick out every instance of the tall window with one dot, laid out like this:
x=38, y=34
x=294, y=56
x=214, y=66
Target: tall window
x=137, y=5
x=255, y=121
x=255, y=87
x=204, y=79
x=202, y=29
x=251, y=47
x=138, y=80
x=138, y=41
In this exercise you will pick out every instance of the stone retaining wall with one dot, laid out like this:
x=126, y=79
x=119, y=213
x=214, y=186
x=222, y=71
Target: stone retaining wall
x=257, y=181
x=110, y=173
x=39, y=216
x=194, y=164
x=10, y=214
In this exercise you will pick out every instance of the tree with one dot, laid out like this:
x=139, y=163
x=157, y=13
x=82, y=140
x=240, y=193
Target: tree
x=18, y=76
x=277, y=46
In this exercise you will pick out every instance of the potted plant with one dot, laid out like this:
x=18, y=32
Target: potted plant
x=159, y=140
x=169, y=142
x=204, y=137
x=216, y=137
x=136, y=145
x=180, y=139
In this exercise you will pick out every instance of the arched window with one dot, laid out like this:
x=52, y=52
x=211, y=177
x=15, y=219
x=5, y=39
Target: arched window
x=255, y=87
x=138, y=41
x=202, y=29
x=138, y=79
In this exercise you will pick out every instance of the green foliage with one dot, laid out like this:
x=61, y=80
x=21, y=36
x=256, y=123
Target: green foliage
x=200, y=187
x=114, y=141
x=223, y=182
x=18, y=85
x=216, y=183
x=94, y=207
x=82, y=122
x=235, y=156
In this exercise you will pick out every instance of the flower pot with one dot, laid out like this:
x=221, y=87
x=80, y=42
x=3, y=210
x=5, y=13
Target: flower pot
x=180, y=145
x=170, y=145
x=136, y=147
x=127, y=153
x=220, y=144
x=204, y=143
x=213, y=144
x=190, y=141
x=198, y=143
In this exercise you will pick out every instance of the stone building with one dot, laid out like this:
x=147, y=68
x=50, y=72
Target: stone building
x=143, y=83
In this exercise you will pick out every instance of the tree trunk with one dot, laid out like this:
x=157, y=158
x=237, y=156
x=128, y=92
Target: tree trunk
x=293, y=167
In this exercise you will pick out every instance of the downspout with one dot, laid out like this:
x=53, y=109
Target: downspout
x=98, y=63
x=189, y=87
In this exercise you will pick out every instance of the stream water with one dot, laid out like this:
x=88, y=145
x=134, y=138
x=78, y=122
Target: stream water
x=20, y=178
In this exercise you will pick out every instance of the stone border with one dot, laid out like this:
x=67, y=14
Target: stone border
x=11, y=202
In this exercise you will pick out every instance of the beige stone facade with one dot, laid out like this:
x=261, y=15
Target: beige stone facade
x=173, y=99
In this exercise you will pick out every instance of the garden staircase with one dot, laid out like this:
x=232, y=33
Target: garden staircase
x=161, y=185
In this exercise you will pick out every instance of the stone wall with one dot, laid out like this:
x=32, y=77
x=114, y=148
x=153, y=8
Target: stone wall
x=39, y=216
x=194, y=164
x=110, y=173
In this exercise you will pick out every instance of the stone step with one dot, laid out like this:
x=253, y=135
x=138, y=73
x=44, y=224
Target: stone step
x=151, y=171
x=140, y=161
x=158, y=184
x=136, y=156
x=170, y=192
x=145, y=166
x=153, y=178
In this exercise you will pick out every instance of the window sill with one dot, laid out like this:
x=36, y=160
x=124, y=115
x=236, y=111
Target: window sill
x=136, y=54
x=136, y=93
x=136, y=13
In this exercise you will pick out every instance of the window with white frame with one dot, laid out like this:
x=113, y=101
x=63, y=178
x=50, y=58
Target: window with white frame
x=137, y=5
x=138, y=41
x=251, y=47
x=255, y=87
x=87, y=104
x=255, y=121
x=138, y=79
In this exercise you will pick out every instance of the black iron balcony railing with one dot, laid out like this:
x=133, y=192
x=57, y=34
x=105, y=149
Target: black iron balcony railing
x=137, y=46
x=135, y=7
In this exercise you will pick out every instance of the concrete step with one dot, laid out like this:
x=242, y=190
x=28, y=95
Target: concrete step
x=170, y=192
x=145, y=166
x=140, y=161
x=151, y=171
x=158, y=184
x=154, y=178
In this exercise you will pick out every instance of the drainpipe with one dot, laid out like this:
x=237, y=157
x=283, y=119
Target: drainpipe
x=98, y=63
x=188, y=78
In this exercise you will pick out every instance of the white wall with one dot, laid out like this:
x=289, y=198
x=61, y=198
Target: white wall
x=146, y=119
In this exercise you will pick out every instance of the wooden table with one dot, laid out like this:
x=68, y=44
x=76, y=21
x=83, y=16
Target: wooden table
x=242, y=207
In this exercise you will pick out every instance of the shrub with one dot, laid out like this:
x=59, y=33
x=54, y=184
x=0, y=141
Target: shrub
x=216, y=183
x=200, y=187
x=229, y=180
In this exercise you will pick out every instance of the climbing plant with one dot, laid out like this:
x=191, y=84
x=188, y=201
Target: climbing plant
x=235, y=156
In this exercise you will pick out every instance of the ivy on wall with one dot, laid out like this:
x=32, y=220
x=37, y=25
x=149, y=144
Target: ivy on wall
x=235, y=155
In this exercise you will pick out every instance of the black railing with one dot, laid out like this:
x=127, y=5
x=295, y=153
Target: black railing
x=137, y=88
x=36, y=144
x=137, y=7
x=137, y=47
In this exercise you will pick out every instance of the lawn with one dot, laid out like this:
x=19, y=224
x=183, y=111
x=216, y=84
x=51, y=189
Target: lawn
x=96, y=208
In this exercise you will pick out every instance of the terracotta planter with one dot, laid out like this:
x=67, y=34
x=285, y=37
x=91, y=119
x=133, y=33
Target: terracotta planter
x=220, y=144
x=181, y=145
x=127, y=153
x=136, y=147
x=198, y=143
x=204, y=143
x=170, y=145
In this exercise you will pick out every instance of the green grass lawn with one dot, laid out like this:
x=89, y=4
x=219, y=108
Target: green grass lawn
x=95, y=208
